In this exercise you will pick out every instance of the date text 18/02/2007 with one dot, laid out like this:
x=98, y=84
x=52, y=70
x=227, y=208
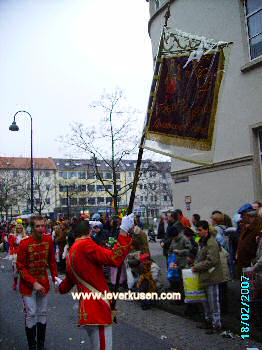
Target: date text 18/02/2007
x=245, y=309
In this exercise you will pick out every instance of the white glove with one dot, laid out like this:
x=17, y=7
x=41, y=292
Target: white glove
x=127, y=223
x=58, y=281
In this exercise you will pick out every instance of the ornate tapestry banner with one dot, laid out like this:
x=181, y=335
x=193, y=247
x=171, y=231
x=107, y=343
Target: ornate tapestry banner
x=184, y=97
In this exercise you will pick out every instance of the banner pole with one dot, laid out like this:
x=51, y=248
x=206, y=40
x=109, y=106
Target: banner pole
x=140, y=156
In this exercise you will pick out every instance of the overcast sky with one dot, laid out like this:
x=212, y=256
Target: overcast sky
x=57, y=56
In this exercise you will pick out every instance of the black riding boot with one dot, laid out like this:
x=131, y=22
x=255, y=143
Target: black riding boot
x=41, y=336
x=31, y=334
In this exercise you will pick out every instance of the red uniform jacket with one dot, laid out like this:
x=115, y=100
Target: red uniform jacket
x=13, y=246
x=33, y=259
x=185, y=221
x=85, y=266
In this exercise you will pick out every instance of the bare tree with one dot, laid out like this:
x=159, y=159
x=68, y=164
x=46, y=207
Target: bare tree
x=109, y=143
x=44, y=188
x=10, y=191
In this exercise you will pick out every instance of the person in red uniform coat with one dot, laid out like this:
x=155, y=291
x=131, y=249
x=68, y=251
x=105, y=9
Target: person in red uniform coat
x=183, y=219
x=85, y=270
x=14, y=240
x=35, y=254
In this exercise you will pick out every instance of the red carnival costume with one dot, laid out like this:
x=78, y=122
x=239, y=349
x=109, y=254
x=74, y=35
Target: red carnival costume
x=14, y=242
x=13, y=247
x=32, y=261
x=33, y=258
x=85, y=269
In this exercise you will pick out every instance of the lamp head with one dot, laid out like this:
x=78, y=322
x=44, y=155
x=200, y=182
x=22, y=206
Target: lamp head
x=14, y=126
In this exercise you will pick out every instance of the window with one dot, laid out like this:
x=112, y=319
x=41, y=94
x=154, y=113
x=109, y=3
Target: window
x=71, y=188
x=165, y=187
x=91, y=201
x=109, y=200
x=62, y=188
x=152, y=198
x=118, y=176
x=63, y=174
x=100, y=200
x=158, y=4
x=99, y=188
x=47, y=173
x=72, y=175
x=108, y=176
x=165, y=198
x=118, y=187
x=73, y=201
x=108, y=187
x=81, y=188
x=81, y=174
x=130, y=174
x=47, y=187
x=48, y=201
x=82, y=201
x=91, y=188
x=141, y=198
x=15, y=173
x=91, y=175
x=152, y=186
x=254, y=26
x=141, y=187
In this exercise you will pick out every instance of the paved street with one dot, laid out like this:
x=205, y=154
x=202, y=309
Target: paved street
x=137, y=329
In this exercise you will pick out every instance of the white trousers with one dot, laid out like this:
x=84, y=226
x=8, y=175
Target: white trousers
x=14, y=258
x=100, y=337
x=35, y=309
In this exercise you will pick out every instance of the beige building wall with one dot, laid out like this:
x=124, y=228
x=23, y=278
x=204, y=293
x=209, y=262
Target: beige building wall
x=239, y=113
x=216, y=190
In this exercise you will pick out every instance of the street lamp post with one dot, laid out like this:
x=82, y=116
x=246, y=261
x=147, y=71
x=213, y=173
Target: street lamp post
x=14, y=127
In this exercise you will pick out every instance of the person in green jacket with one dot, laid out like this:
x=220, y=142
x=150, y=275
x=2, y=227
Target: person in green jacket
x=208, y=265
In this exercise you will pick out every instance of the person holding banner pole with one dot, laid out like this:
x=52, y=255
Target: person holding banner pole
x=85, y=270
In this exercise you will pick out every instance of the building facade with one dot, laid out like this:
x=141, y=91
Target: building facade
x=79, y=189
x=70, y=186
x=15, y=186
x=235, y=177
x=154, y=191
